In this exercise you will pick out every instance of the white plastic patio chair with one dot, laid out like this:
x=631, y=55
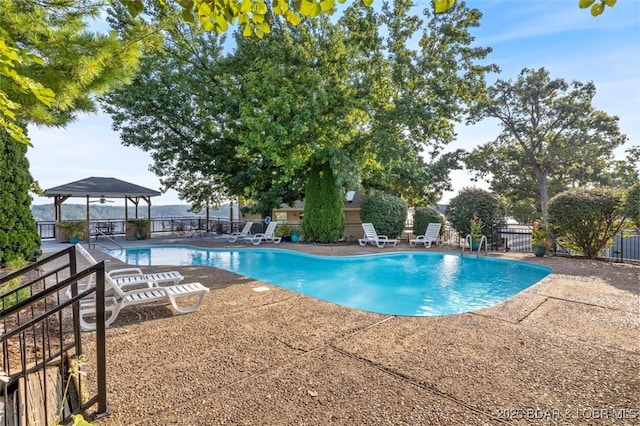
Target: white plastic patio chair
x=372, y=237
x=246, y=231
x=119, y=296
x=268, y=235
x=132, y=275
x=431, y=235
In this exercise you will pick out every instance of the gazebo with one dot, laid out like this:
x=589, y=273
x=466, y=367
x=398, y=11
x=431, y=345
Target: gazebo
x=101, y=188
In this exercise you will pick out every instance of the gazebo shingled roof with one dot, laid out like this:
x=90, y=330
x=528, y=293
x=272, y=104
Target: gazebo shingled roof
x=101, y=187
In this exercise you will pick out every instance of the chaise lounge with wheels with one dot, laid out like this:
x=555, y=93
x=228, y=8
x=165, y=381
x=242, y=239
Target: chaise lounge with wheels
x=372, y=237
x=431, y=235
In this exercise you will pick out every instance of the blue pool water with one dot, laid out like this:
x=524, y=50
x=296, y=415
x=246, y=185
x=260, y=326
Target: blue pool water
x=399, y=283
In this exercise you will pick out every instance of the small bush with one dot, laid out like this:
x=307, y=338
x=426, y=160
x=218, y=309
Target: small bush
x=283, y=230
x=586, y=220
x=13, y=298
x=423, y=216
x=632, y=205
x=74, y=228
x=386, y=212
x=470, y=202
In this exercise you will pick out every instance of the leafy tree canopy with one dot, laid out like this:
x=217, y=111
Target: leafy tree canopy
x=252, y=120
x=17, y=57
x=474, y=203
x=552, y=139
x=323, y=216
x=595, y=7
x=52, y=65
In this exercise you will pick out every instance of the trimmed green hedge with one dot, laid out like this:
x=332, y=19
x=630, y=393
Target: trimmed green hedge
x=386, y=212
x=486, y=205
x=632, y=205
x=586, y=220
x=423, y=216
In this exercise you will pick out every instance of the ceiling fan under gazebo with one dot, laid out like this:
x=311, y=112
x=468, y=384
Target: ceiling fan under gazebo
x=102, y=200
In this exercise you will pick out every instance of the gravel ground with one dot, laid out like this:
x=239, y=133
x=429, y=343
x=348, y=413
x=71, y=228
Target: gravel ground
x=564, y=351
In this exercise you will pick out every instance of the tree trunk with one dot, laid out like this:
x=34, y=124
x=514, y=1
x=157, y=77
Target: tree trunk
x=541, y=177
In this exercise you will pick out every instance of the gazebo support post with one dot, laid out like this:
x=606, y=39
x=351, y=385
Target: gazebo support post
x=148, y=200
x=57, y=207
x=88, y=226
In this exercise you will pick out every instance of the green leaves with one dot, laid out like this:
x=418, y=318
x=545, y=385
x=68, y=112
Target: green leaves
x=66, y=66
x=323, y=216
x=583, y=4
x=18, y=233
x=552, y=138
x=586, y=220
x=596, y=8
x=135, y=7
x=292, y=17
x=10, y=58
x=441, y=6
x=632, y=205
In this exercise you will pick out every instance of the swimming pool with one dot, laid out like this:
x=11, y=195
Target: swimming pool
x=398, y=283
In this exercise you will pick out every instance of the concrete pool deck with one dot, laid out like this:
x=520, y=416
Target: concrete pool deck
x=564, y=351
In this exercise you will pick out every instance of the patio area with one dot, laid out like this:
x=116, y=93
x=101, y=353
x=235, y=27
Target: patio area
x=565, y=351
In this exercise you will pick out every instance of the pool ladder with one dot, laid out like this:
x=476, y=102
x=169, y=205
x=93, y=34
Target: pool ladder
x=94, y=243
x=468, y=240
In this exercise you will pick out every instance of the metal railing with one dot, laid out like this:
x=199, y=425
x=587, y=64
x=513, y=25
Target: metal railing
x=96, y=232
x=188, y=225
x=517, y=238
x=504, y=237
x=41, y=340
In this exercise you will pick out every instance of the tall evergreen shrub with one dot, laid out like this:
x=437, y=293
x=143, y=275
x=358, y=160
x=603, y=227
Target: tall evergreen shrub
x=386, y=212
x=18, y=234
x=323, y=207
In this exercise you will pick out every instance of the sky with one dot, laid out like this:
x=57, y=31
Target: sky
x=554, y=34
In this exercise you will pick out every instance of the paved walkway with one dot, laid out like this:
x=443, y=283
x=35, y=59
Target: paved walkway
x=565, y=351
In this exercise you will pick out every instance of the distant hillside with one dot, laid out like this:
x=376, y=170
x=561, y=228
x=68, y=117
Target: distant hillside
x=45, y=212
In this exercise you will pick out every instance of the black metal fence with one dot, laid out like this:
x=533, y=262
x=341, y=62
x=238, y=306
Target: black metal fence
x=504, y=237
x=189, y=225
x=41, y=344
x=517, y=238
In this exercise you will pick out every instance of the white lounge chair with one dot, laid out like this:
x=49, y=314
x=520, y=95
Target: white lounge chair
x=372, y=237
x=246, y=231
x=431, y=235
x=267, y=235
x=131, y=276
x=118, y=296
